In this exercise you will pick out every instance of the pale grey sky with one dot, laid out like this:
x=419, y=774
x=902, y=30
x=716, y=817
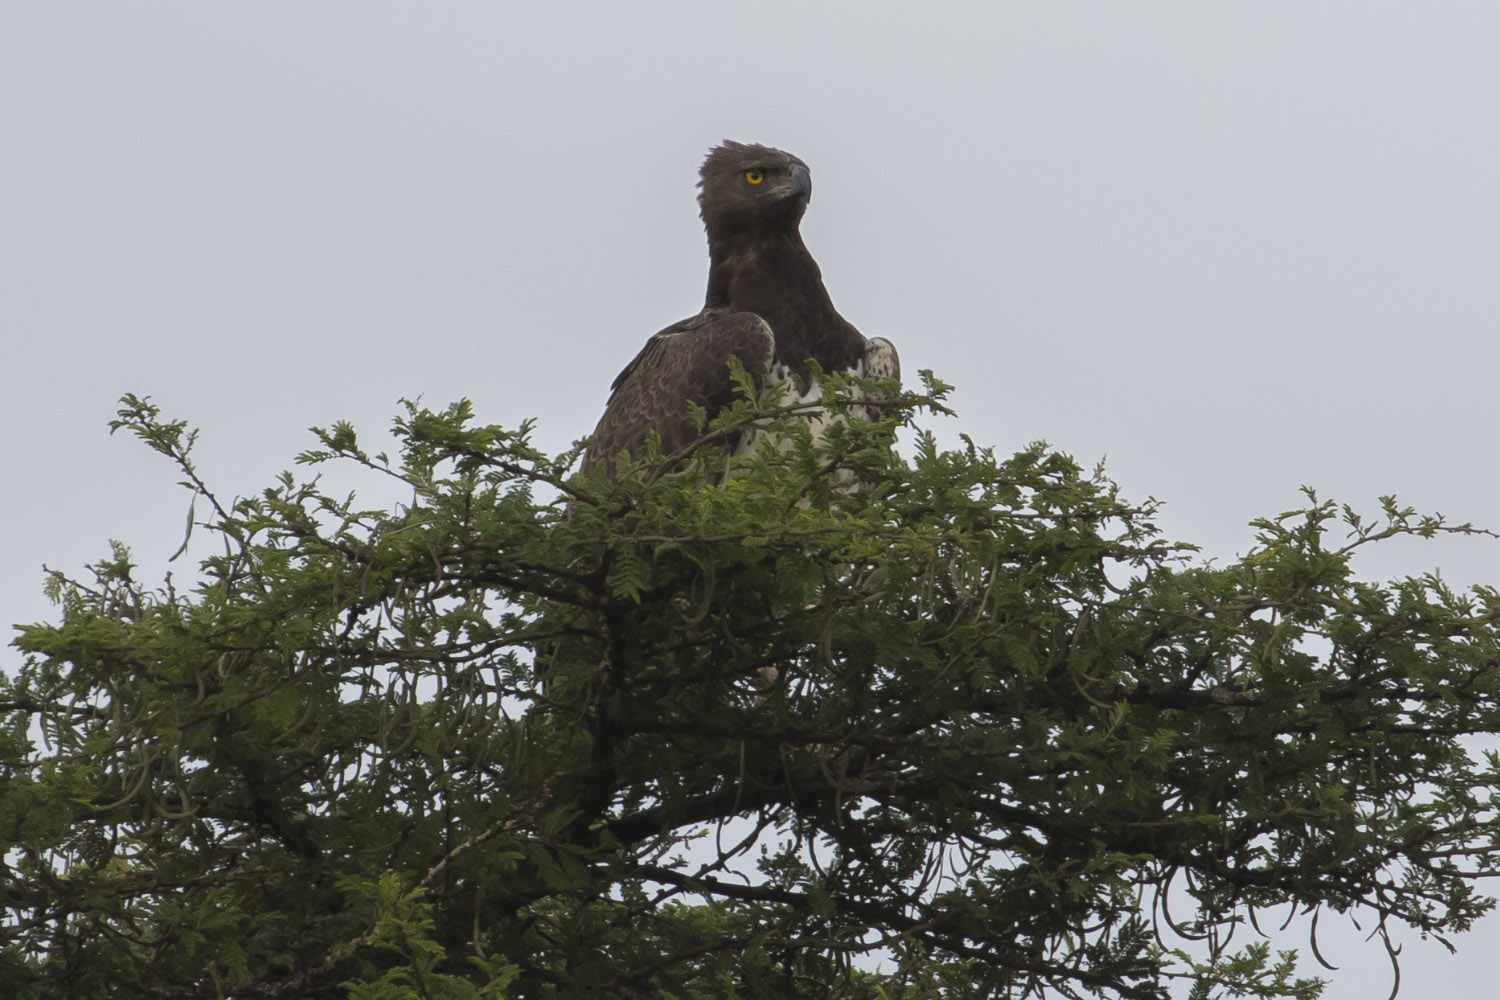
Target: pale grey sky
x=1235, y=247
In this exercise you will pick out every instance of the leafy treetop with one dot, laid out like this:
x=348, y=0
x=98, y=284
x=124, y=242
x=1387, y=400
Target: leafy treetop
x=973, y=729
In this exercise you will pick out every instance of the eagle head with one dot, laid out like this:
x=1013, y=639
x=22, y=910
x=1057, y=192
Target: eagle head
x=743, y=185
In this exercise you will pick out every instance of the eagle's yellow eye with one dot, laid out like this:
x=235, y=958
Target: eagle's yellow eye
x=754, y=176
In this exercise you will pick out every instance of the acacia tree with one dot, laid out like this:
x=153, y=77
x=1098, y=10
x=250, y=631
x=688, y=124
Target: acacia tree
x=971, y=730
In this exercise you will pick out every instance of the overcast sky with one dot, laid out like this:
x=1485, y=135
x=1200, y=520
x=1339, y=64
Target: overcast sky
x=1232, y=247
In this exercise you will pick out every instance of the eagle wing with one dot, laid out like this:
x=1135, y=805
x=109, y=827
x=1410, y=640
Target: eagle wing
x=686, y=362
x=881, y=359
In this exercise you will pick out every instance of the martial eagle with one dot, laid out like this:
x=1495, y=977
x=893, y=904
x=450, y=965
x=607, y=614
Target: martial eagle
x=766, y=305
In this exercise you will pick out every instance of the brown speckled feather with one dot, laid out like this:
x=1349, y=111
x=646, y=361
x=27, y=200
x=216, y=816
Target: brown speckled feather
x=688, y=361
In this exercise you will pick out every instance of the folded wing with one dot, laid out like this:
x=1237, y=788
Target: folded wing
x=686, y=362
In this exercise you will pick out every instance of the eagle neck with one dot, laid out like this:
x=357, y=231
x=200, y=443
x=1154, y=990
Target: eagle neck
x=774, y=276
x=751, y=260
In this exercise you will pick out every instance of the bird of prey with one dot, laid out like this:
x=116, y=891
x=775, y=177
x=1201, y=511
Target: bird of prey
x=766, y=305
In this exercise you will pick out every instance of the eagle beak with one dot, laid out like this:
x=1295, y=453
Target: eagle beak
x=801, y=179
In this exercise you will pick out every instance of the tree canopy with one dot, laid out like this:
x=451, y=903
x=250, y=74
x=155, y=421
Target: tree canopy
x=974, y=729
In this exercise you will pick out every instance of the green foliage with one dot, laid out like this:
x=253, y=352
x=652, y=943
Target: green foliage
x=973, y=729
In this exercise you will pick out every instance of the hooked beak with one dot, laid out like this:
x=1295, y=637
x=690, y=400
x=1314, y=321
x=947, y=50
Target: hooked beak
x=801, y=180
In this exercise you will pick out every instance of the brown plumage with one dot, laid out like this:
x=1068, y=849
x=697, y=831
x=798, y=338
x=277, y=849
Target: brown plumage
x=766, y=305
